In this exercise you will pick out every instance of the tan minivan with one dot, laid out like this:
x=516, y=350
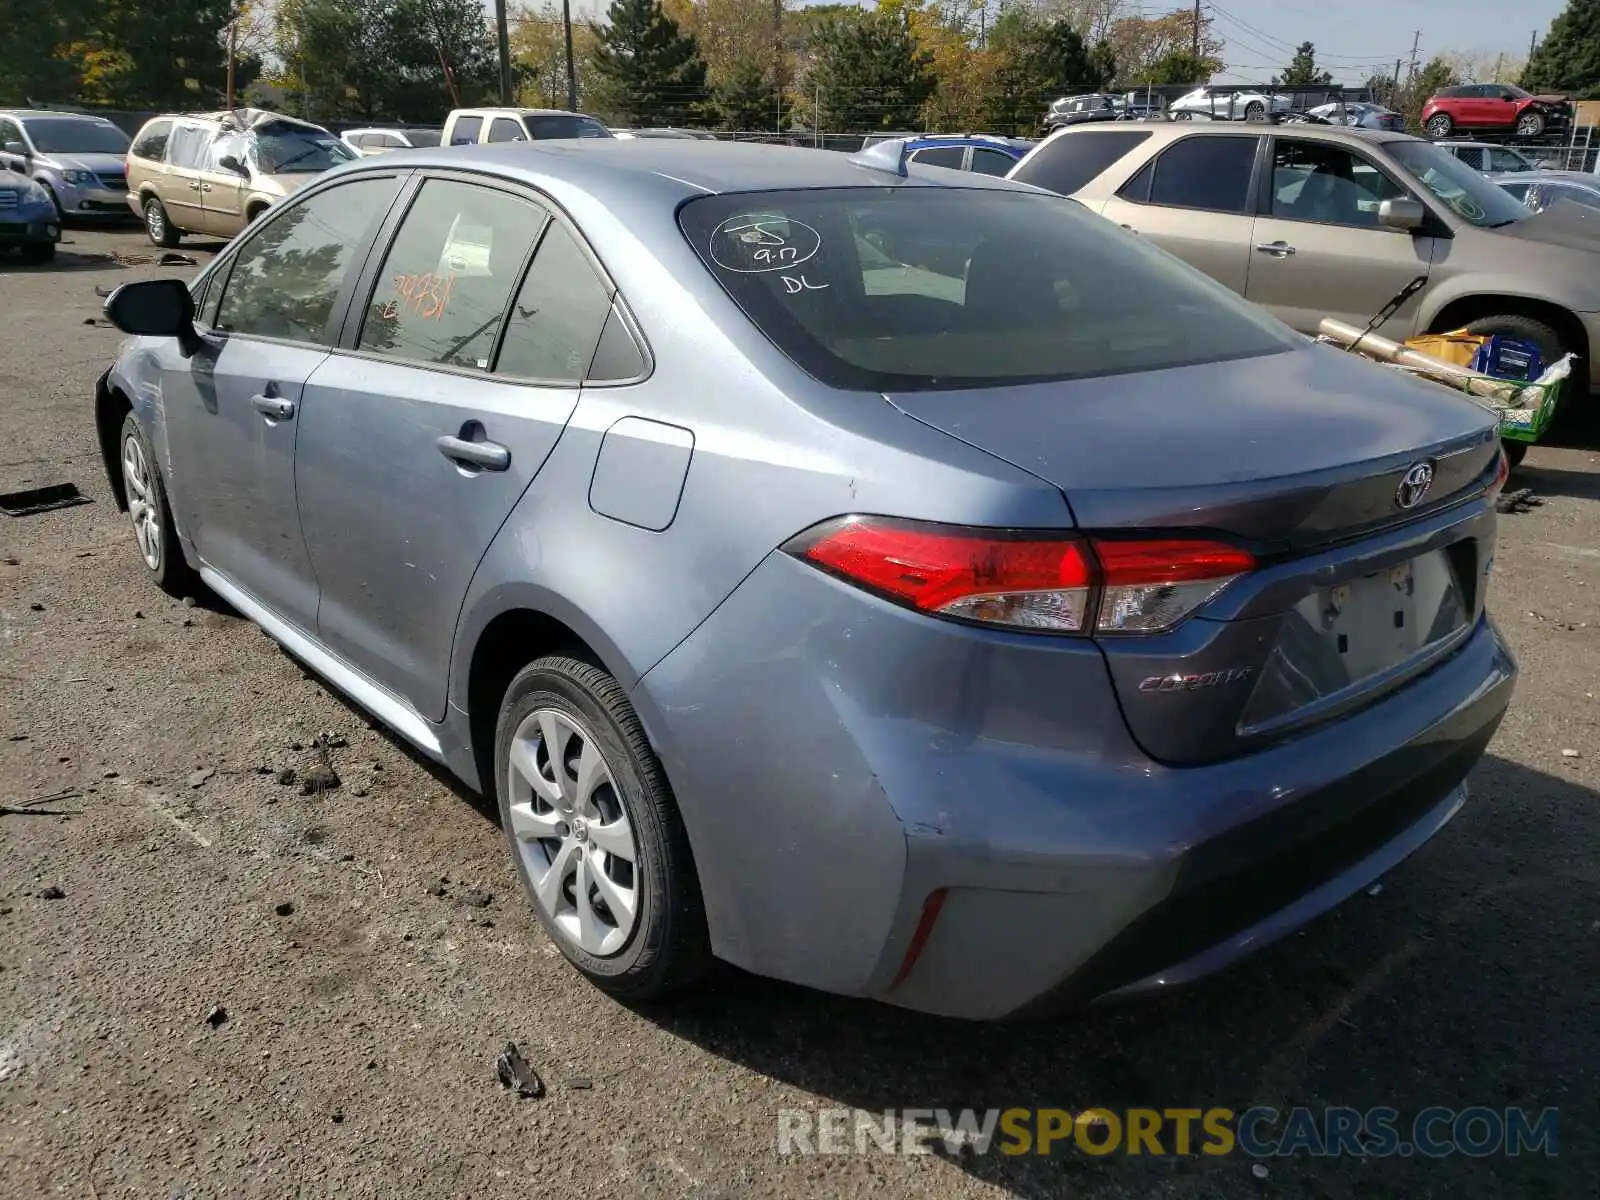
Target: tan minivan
x=214, y=173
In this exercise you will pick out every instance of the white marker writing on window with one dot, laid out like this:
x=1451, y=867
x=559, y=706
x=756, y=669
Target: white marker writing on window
x=794, y=286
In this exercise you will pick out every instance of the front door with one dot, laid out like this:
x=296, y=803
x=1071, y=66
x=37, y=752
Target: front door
x=234, y=410
x=1319, y=251
x=222, y=190
x=422, y=436
x=1193, y=200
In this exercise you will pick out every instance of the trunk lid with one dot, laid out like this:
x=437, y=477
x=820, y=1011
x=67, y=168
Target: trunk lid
x=1301, y=456
x=1289, y=451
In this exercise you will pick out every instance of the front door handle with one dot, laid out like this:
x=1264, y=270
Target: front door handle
x=205, y=187
x=490, y=456
x=1276, y=249
x=273, y=408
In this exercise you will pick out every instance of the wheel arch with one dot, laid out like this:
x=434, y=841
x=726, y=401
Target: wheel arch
x=111, y=409
x=1465, y=309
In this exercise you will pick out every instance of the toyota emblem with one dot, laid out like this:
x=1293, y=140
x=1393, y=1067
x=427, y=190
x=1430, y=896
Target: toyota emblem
x=1414, y=485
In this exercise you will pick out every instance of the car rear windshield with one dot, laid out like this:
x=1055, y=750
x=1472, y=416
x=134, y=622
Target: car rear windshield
x=566, y=127
x=921, y=288
x=423, y=137
x=63, y=135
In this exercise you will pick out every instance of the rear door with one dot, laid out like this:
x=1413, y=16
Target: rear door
x=1194, y=200
x=1317, y=249
x=233, y=410
x=991, y=162
x=457, y=375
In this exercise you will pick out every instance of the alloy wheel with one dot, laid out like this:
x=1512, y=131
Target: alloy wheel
x=573, y=832
x=139, y=485
x=155, y=222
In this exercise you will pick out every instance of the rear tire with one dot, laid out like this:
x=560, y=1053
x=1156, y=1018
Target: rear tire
x=158, y=226
x=1182, y=116
x=563, y=722
x=1440, y=125
x=1255, y=111
x=154, y=532
x=1515, y=453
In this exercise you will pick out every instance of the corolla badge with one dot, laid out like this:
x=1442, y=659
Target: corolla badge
x=1414, y=485
x=1195, y=683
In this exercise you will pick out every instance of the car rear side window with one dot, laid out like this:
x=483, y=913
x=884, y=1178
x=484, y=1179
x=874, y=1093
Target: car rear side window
x=466, y=131
x=991, y=162
x=152, y=141
x=1207, y=173
x=287, y=275
x=442, y=292
x=504, y=129
x=1068, y=161
x=930, y=288
x=940, y=156
x=558, y=315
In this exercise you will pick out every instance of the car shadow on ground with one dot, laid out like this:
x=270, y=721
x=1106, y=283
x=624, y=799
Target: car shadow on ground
x=1553, y=481
x=1456, y=984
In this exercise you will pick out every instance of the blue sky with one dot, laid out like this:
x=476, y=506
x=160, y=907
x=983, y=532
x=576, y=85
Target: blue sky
x=1351, y=36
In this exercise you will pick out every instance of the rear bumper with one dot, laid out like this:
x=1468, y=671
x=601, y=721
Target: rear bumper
x=838, y=761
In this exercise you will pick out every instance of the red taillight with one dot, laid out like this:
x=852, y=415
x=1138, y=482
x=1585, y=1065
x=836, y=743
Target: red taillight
x=1054, y=583
x=1502, y=472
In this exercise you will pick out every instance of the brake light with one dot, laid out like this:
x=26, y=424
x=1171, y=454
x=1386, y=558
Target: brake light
x=1502, y=472
x=1048, y=583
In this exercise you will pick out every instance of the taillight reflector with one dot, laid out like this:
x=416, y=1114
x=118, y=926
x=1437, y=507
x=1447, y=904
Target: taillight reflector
x=1056, y=583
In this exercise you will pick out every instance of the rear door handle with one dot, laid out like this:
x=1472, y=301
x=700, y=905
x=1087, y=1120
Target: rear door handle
x=274, y=408
x=1276, y=249
x=194, y=187
x=491, y=456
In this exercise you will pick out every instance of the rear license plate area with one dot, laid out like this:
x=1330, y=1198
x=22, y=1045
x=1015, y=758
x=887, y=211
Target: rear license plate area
x=1369, y=625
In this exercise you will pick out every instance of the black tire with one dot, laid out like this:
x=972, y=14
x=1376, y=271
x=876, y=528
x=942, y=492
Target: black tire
x=1440, y=125
x=668, y=949
x=1530, y=125
x=1183, y=116
x=171, y=571
x=61, y=217
x=1515, y=452
x=41, y=252
x=1525, y=329
x=158, y=226
x=1255, y=111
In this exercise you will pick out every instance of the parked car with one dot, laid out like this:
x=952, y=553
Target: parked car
x=1539, y=190
x=978, y=712
x=75, y=157
x=378, y=141
x=1228, y=104
x=1325, y=221
x=1082, y=110
x=1360, y=115
x=28, y=222
x=214, y=173
x=1488, y=157
x=979, y=152
x=1495, y=108
x=470, y=126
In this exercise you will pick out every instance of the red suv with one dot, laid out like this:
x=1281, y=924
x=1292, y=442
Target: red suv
x=1495, y=108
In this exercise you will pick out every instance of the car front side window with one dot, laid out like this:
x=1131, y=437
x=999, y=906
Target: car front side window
x=448, y=277
x=1313, y=181
x=286, y=277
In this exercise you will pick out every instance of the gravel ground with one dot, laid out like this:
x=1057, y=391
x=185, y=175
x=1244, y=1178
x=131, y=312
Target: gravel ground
x=370, y=952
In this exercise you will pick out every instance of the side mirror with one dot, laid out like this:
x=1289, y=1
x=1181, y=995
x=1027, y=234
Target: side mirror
x=1508, y=95
x=230, y=162
x=17, y=148
x=1405, y=214
x=155, y=308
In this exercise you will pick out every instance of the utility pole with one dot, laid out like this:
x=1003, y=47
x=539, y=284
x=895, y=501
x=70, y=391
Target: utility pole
x=1394, y=89
x=572, y=67
x=1499, y=59
x=233, y=53
x=1415, y=43
x=505, y=51
x=1194, y=46
x=777, y=68
x=1533, y=42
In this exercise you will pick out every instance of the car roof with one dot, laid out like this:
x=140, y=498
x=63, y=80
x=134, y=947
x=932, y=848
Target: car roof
x=1469, y=143
x=23, y=113
x=964, y=139
x=613, y=170
x=523, y=112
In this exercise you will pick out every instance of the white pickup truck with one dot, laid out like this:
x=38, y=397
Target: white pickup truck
x=471, y=126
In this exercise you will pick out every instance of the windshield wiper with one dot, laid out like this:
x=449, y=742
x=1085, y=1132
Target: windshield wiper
x=289, y=161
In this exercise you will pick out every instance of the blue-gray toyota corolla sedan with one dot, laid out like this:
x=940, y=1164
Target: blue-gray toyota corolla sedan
x=909, y=586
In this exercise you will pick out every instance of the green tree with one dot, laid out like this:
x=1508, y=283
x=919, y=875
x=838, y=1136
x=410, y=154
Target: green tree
x=1177, y=67
x=1302, y=70
x=1038, y=61
x=649, y=71
x=868, y=74
x=34, y=59
x=745, y=98
x=1568, y=60
x=1102, y=64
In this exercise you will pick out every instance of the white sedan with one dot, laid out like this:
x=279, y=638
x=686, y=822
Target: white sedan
x=1227, y=104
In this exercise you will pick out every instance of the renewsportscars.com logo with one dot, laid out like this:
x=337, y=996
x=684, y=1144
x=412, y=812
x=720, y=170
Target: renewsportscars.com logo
x=1436, y=1132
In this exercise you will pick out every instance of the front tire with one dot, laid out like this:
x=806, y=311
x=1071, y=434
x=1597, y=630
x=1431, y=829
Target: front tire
x=1183, y=116
x=595, y=832
x=1530, y=125
x=1440, y=125
x=158, y=226
x=151, y=515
